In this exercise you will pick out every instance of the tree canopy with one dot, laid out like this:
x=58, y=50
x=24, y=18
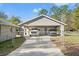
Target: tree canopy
x=3, y=15
x=15, y=20
x=43, y=11
x=75, y=15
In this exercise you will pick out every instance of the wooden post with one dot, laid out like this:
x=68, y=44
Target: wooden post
x=27, y=30
x=62, y=35
x=23, y=31
x=62, y=30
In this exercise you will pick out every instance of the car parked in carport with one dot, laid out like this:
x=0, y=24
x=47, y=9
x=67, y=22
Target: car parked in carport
x=34, y=32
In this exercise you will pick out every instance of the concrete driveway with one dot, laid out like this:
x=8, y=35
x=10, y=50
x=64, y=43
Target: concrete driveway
x=37, y=46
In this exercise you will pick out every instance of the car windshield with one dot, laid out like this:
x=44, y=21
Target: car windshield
x=33, y=32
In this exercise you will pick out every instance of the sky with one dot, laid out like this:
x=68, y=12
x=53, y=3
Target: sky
x=27, y=11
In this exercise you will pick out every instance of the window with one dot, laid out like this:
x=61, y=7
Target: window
x=33, y=32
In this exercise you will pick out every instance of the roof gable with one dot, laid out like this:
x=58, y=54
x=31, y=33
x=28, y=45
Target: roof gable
x=42, y=20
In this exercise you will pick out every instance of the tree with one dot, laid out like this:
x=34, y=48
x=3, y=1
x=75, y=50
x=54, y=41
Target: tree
x=15, y=20
x=59, y=12
x=3, y=15
x=63, y=14
x=54, y=11
x=43, y=11
x=70, y=21
x=75, y=15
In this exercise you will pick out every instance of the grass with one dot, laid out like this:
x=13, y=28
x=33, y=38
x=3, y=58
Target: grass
x=68, y=44
x=6, y=46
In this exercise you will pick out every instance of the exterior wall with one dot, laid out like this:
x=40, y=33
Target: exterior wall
x=7, y=33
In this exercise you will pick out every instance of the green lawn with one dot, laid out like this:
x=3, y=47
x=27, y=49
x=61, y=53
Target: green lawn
x=8, y=46
x=68, y=44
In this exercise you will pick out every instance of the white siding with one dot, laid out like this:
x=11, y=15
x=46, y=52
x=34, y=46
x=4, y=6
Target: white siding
x=6, y=33
x=43, y=22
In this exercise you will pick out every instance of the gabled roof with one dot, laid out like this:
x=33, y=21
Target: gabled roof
x=36, y=18
x=3, y=22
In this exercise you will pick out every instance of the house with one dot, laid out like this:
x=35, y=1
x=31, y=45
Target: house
x=7, y=30
x=42, y=25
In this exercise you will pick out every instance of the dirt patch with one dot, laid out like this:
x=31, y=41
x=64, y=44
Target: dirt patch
x=67, y=47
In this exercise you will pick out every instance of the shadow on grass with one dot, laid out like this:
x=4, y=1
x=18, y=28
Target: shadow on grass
x=8, y=46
